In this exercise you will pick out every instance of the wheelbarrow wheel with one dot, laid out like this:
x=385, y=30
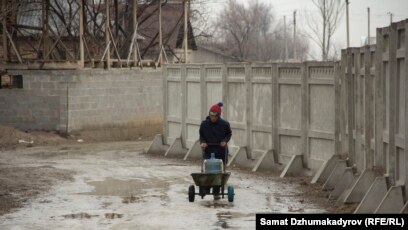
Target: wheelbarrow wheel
x=191, y=193
x=231, y=194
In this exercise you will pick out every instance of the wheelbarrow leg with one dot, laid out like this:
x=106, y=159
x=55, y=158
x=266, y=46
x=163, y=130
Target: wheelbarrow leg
x=203, y=190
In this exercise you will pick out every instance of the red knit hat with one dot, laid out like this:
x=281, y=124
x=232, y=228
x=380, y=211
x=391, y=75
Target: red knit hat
x=216, y=109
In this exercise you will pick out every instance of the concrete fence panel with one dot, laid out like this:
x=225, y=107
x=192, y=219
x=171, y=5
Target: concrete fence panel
x=289, y=111
x=261, y=107
x=237, y=90
x=193, y=95
x=173, y=103
x=274, y=108
x=321, y=113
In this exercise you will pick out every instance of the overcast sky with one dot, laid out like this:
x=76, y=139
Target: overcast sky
x=358, y=15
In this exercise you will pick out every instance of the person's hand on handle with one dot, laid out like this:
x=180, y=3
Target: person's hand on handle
x=203, y=145
x=223, y=144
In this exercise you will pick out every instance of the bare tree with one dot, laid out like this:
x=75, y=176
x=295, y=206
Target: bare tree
x=250, y=33
x=199, y=16
x=243, y=29
x=324, y=24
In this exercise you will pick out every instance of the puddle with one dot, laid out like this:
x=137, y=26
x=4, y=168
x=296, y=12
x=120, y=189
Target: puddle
x=45, y=201
x=84, y=215
x=225, y=217
x=173, y=164
x=113, y=215
x=214, y=204
x=81, y=215
x=126, y=188
x=106, y=204
x=55, y=154
x=131, y=199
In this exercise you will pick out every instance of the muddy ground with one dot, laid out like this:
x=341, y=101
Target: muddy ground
x=117, y=186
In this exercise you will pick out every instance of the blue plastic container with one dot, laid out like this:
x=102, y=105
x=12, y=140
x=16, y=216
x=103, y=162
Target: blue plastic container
x=213, y=165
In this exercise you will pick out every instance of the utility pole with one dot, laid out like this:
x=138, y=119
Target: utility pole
x=294, y=36
x=368, y=32
x=286, y=39
x=347, y=23
x=391, y=14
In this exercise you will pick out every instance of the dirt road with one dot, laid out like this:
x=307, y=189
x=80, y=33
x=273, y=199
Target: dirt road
x=116, y=186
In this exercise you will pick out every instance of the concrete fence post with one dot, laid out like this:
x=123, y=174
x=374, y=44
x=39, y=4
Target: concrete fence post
x=344, y=102
x=380, y=101
x=350, y=99
x=305, y=113
x=368, y=106
x=275, y=111
x=406, y=114
x=249, y=108
x=224, y=88
x=391, y=169
x=184, y=105
x=338, y=112
x=165, y=105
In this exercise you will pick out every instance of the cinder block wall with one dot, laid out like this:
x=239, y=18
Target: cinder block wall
x=118, y=102
x=35, y=106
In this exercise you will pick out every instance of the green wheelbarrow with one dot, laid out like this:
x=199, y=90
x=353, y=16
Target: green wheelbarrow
x=211, y=184
x=206, y=182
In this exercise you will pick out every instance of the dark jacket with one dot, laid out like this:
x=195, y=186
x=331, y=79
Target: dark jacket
x=215, y=133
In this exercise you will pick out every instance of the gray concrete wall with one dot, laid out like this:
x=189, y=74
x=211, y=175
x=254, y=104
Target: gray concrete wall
x=287, y=108
x=375, y=87
x=374, y=117
x=76, y=100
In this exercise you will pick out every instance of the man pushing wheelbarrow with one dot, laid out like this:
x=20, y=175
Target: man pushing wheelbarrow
x=215, y=134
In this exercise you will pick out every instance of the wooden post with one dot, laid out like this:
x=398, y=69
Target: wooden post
x=116, y=17
x=134, y=13
x=107, y=36
x=185, y=30
x=160, y=34
x=81, y=34
x=4, y=26
x=45, y=9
